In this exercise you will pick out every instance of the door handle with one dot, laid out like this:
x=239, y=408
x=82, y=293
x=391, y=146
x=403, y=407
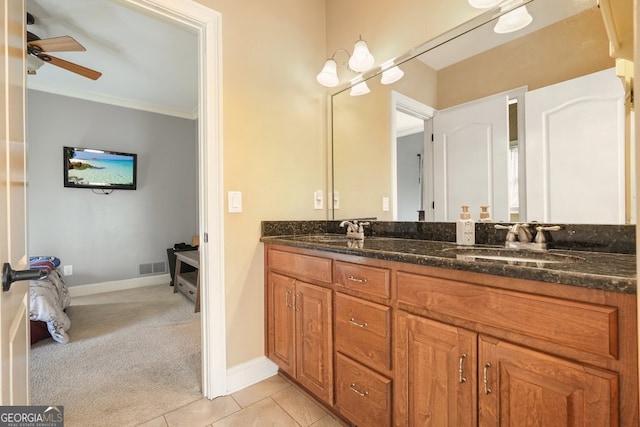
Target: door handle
x=9, y=276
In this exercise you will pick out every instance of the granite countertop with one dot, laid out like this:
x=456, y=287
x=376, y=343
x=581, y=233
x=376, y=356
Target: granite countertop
x=596, y=270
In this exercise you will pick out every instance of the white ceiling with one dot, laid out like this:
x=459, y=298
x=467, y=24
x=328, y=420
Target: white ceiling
x=147, y=63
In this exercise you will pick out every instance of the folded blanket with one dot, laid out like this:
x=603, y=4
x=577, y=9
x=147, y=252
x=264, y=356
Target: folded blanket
x=48, y=298
x=46, y=263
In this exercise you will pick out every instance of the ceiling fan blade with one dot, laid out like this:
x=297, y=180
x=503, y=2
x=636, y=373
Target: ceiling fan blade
x=57, y=44
x=70, y=66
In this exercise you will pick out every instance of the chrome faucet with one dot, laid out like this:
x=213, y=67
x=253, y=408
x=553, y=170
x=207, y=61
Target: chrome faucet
x=520, y=236
x=355, y=229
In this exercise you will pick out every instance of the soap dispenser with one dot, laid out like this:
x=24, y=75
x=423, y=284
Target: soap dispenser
x=465, y=228
x=485, y=216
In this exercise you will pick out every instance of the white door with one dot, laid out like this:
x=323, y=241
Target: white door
x=575, y=151
x=14, y=313
x=471, y=158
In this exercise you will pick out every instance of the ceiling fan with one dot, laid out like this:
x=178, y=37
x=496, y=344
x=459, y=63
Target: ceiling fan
x=38, y=53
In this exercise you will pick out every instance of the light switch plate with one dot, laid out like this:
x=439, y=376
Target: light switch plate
x=336, y=200
x=235, y=201
x=385, y=204
x=318, y=200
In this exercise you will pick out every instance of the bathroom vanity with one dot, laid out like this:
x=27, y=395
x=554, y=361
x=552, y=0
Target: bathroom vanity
x=405, y=332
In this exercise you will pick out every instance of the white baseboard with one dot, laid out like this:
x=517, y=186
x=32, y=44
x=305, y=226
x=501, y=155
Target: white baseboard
x=119, y=285
x=249, y=373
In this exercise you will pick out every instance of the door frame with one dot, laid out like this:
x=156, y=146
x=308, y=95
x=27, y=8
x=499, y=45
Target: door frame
x=207, y=23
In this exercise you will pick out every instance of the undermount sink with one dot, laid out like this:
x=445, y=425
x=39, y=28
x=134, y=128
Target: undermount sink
x=511, y=256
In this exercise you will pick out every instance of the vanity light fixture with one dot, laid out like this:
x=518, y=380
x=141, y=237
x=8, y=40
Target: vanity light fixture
x=512, y=21
x=361, y=60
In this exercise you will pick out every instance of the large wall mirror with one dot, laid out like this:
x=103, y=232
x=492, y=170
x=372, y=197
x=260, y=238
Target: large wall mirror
x=534, y=124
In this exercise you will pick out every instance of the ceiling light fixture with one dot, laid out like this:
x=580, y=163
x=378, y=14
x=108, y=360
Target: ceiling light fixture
x=33, y=63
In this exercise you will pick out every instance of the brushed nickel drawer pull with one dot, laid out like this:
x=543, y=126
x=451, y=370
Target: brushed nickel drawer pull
x=358, y=324
x=355, y=279
x=355, y=390
x=487, y=390
x=461, y=378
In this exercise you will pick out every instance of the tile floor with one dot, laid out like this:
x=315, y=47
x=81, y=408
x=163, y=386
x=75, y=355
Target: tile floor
x=272, y=402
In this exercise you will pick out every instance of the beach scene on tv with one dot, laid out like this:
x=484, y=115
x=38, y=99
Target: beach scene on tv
x=94, y=167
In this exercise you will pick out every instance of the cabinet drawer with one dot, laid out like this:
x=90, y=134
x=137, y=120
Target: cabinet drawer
x=370, y=280
x=307, y=266
x=586, y=327
x=362, y=396
x=362, y=330
x=186, y=287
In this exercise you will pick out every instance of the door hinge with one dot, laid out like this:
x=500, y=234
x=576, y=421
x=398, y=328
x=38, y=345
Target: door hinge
x=432, y=138
x=205, y=237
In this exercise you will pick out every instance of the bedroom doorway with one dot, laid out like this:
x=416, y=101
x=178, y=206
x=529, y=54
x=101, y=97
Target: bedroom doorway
x=207, y=23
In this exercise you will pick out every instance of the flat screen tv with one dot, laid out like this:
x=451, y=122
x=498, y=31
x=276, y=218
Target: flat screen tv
x=100, y=169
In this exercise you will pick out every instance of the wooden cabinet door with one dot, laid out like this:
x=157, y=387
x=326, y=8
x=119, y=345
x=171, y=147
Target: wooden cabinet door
x=436, y=382
x=521, y=387
x=281, y=322
x=314, y=340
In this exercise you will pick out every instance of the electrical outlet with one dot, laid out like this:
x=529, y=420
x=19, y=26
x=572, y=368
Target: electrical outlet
x=385, y=204
x=336, y=200
x=67, y=270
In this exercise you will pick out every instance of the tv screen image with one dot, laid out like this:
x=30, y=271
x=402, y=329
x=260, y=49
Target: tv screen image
x=90, y=168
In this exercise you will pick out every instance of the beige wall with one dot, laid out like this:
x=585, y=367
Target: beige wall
x=274, y=141
x=274, y=121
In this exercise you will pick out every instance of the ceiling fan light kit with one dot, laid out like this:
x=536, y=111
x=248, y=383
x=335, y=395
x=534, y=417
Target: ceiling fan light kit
x=36, y=56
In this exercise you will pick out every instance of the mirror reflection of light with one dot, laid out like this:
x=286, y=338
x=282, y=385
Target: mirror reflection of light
x=513, y=21
x=484, y=4
x=360, y=89
x=391, y=75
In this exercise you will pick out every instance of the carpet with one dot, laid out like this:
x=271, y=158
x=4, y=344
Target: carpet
x=132, y=356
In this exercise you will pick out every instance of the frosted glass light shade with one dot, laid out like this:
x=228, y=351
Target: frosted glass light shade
x=515, y=20
x=391, y=75
x=361, y=60
x=484, y=4
x=329, y=75
x=359, y=89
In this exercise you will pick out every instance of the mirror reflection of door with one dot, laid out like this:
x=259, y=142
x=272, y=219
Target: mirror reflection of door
x=471, y=151
x=410, y=142
x=411, y=159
